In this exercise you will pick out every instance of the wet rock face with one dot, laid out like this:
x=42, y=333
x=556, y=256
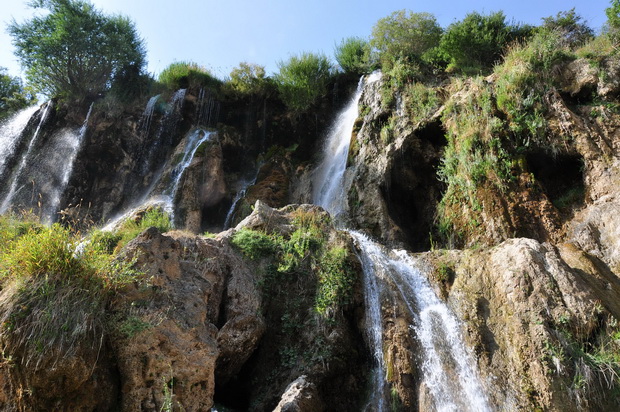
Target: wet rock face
x=526, y=307
x=395, y=188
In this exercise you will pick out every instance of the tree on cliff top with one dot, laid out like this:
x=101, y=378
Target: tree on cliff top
x=75, y=50
x=404, y=36
x=303, y=79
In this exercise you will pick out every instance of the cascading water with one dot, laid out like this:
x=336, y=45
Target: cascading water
x=10, y=132
x=240, y=195
x=371, y=258
x=448, y=369
x=73, y=144
x=165, y=132
x=147, y=116
x=447, y=366
x=329, y=175
x=194, y=140
x=6, y=203
x=328, y=182
x=164, y=197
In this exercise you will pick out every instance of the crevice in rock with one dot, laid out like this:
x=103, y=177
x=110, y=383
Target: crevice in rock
x=561, y=178
x=236, y=393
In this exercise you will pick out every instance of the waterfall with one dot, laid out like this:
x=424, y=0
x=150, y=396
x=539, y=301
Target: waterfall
x=245, y=184
x=147, y=117
x=10, y=132
x=194, y=140
x=448, y=368
x=6, y=203
x=371, y=258
x=164, y=197
x=207, y=109
x=166, y=130
x=328, y=181
x=73, y=143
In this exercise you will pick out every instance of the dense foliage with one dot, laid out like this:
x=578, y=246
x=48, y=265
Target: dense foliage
x=303, y=79
x=405, y=36
x=57, y=285
x=477, y=42
x=353, y=55
x=13, y=96
x=75, y=50
x=248, y=78
x=571, y=28
x=183, y=75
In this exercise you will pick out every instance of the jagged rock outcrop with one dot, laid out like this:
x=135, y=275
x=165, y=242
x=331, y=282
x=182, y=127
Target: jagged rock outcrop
x=536, y=320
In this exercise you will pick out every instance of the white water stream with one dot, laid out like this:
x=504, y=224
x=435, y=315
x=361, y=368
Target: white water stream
x=6, y=202
x=72, y=145
x=165, y=197
x=448, y=369
x=10, y=132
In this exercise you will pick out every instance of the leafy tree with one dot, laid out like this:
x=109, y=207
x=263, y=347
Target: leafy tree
x=570, y=26
x=303, y=79
x=613, y=19
x=477, y=42
x=75, y=50
x=353, y=55
x=404, y=36
x=13, y=96
x=248, y=78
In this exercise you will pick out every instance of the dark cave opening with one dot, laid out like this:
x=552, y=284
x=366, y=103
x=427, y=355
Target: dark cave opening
x=561, y=178
x=412, y=189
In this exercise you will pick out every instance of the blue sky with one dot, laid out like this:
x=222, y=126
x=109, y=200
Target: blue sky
x=221, y=34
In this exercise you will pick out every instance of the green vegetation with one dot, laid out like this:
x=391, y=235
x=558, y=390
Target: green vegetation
x=130, y=228
x=183, y=75
x=474, y=157
x=75, y=51
x=476, y=43
x=570, y=28
x=13, y=96
x=523, y=80
x=422, y=101
x=303, y=79
x=55, y=288
x=305, y=251
x=404, y=36
x=353, y=55
x=590, y=362
x=249, y=79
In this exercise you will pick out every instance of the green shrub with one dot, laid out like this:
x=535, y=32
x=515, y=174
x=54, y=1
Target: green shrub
x=131, y=228
x=353, y=55
x=404, y=36
x=421, y=101
x=13, y=96
x=476, y=155
x=336, y=280
x=476, y=43
x=613, y=21
x=253, y=244
x=303, y=79
x=569, y=27
x=248, y=79
x=183, y=75
x=523, y=80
